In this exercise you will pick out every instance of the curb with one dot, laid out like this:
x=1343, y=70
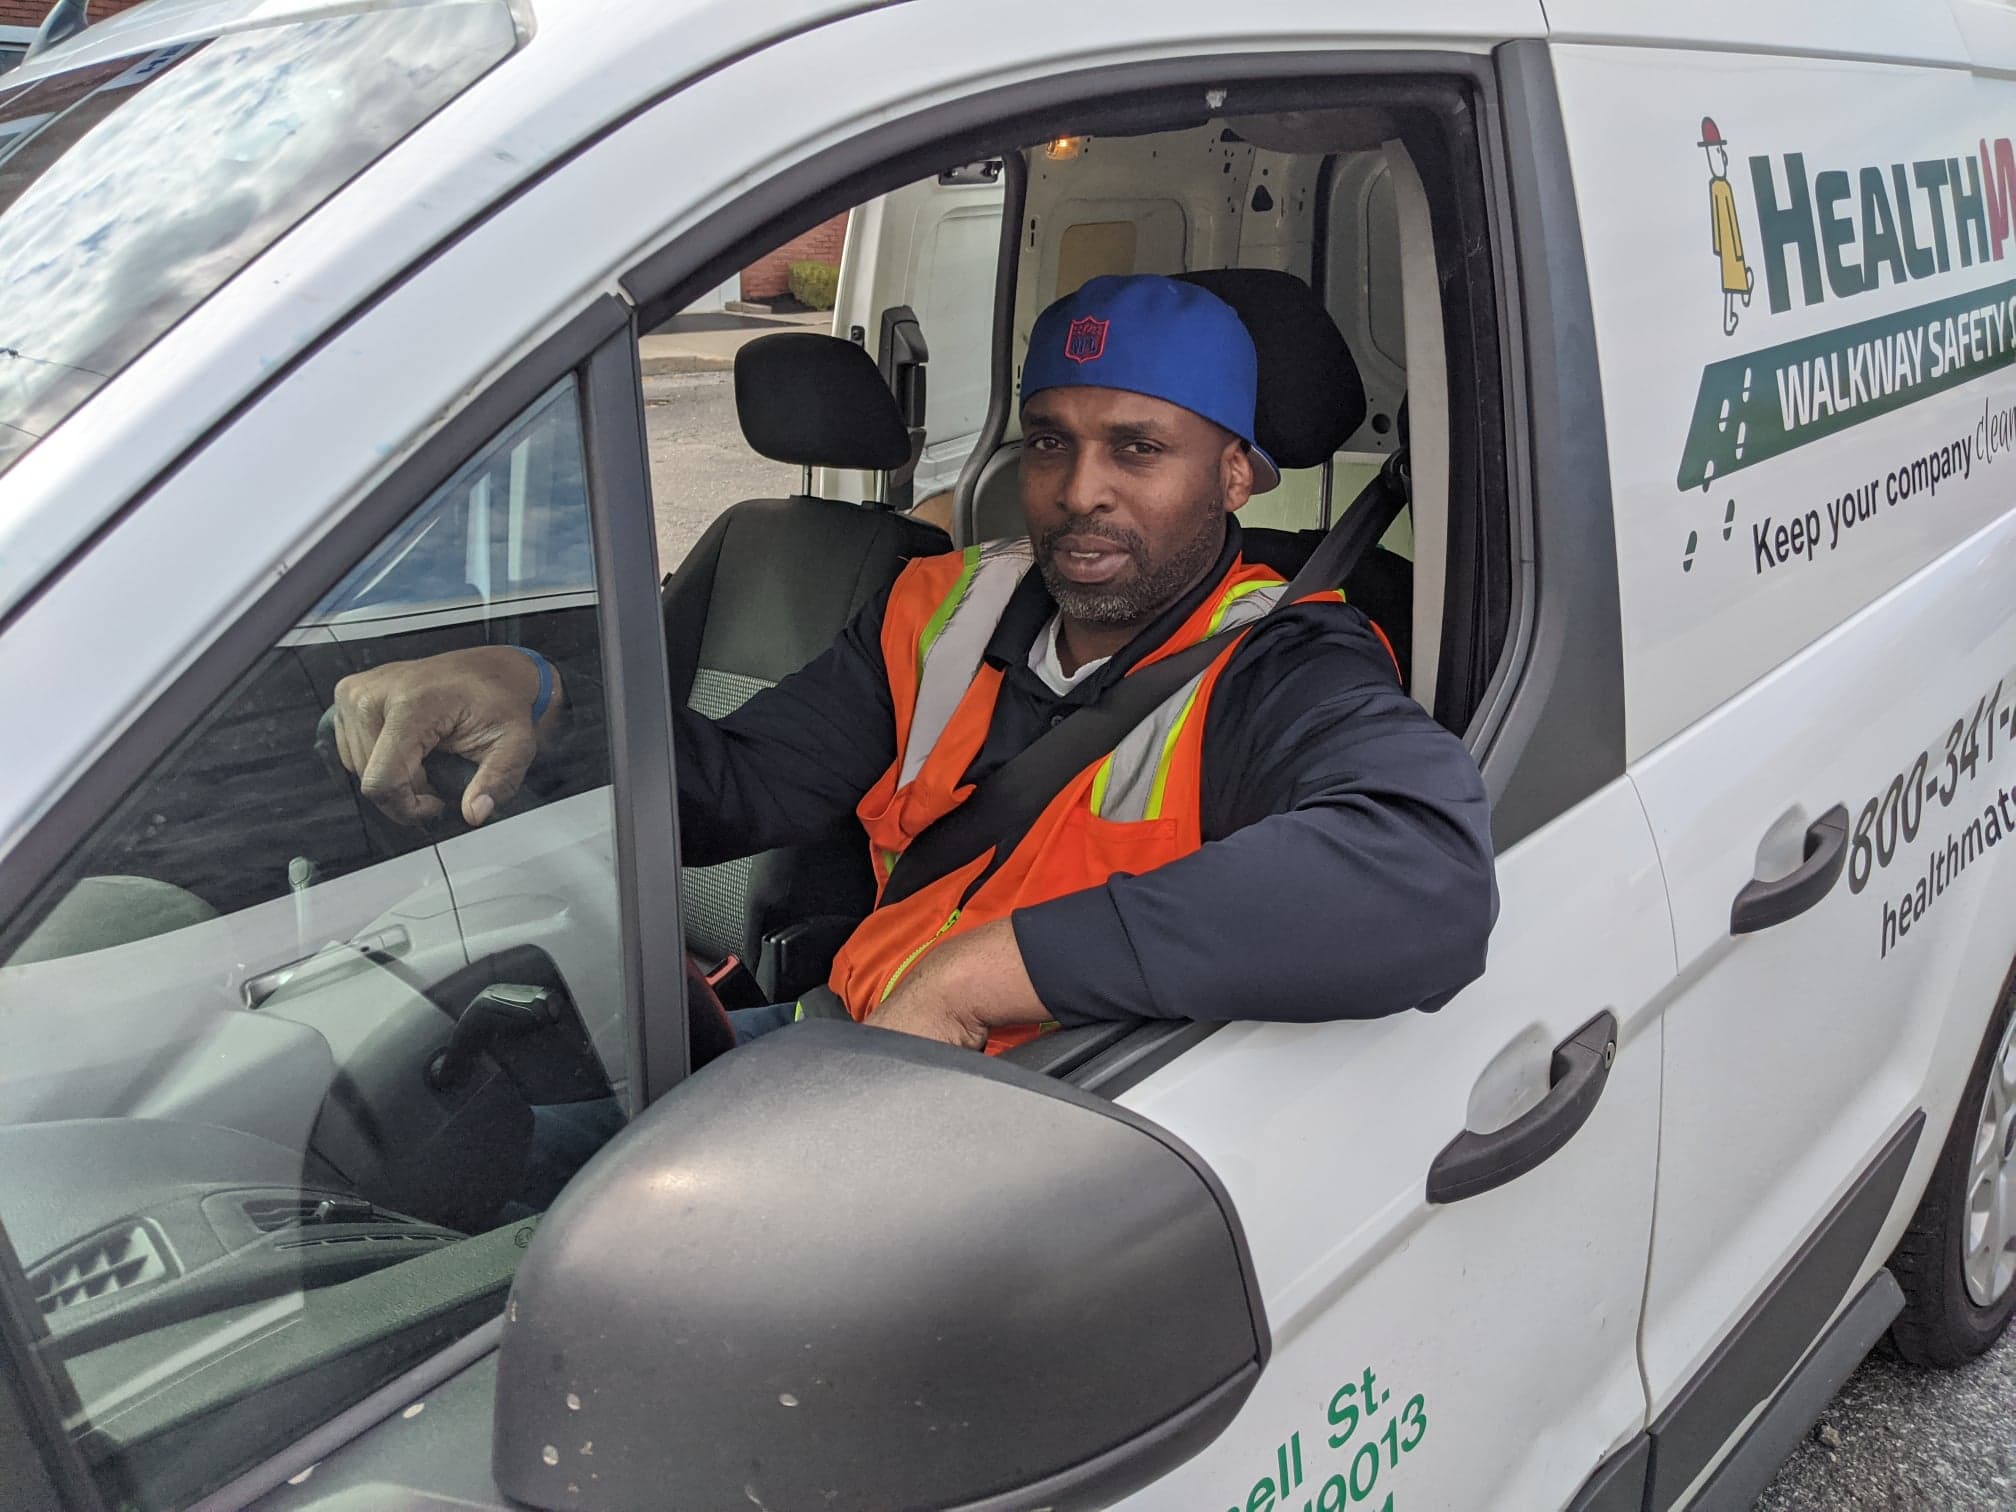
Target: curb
x=683, y=362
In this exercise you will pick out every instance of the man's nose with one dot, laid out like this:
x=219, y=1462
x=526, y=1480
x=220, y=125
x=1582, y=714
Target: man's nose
x=1087, y=484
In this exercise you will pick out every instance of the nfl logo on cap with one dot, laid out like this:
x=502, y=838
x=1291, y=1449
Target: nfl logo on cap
x=1179, y=343
x=1085, y=340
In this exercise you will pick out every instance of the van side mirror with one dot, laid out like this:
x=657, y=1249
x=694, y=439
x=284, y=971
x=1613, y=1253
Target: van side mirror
x=844, y=1269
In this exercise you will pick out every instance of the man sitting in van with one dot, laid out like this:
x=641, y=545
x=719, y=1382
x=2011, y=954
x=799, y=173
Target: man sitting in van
x=1287, y=836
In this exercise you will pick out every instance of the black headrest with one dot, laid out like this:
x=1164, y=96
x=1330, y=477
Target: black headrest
x=817, y=401
x=1311, y=398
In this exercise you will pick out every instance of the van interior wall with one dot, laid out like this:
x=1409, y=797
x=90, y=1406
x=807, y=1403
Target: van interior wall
x=1167, y=202
x=1209, y=196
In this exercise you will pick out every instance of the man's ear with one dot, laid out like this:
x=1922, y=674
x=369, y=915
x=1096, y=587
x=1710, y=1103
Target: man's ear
x=1235, y=475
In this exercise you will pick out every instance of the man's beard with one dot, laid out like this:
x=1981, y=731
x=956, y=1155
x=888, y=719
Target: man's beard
x=1156, y=583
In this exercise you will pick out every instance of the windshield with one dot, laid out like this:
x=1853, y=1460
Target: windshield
x=130, y=190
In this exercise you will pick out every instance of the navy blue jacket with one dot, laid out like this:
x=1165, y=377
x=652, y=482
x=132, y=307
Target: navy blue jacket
x=1346, y=870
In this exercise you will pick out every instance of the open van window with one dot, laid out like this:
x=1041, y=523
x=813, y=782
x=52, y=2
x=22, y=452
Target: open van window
x=132, y=188
x=1373, y=208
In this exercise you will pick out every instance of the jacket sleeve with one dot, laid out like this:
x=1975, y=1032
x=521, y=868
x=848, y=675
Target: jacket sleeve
x=1346, y=870
x=790, y=765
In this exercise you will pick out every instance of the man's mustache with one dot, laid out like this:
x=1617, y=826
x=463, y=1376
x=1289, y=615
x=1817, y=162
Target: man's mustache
x=1128, y=541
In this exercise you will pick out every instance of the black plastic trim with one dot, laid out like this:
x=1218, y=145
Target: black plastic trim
x=1780, y=1327
x=1319, y=280
x=219, y=665
x=1560, y=736
x=1139, y=1056
x=1618, y=1484
x=640, y=717
x=1321, y=214
x=1739, y=1479
x=1001, y=369
x=1063, y=1051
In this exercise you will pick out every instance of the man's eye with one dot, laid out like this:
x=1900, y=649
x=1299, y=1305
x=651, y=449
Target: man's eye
x=1141, y=448
x=1044, y=443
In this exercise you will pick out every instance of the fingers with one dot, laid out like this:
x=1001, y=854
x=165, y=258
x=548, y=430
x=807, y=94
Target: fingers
x=358, y=719
x=474, y=703
x=342, y=735
x=394, y=778
x=499, y=773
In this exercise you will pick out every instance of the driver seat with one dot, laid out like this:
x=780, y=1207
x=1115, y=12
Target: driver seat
x=767, y=588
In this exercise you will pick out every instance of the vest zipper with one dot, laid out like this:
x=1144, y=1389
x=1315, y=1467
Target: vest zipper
x=911, y=959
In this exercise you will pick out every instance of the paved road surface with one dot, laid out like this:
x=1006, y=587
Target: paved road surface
x=699, y=464
x=1901, y=1440
x=1910, y=1440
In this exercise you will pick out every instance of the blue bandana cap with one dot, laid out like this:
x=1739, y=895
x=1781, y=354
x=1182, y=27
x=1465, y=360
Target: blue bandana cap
x=1156, y=336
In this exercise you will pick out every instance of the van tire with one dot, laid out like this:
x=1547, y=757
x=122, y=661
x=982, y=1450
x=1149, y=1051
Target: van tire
x=1941, y=1324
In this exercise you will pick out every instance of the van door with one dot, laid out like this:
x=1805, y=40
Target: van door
x=917, y=290
x=1414, y=1340
x=1820, y=658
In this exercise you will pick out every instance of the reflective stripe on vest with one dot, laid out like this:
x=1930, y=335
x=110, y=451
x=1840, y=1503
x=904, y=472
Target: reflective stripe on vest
x=1132, y=779
x=940, y=617
x=955, y=639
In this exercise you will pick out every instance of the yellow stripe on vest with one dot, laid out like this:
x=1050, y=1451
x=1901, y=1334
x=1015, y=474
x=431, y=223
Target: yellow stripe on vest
x=1168, y=756
x=935, y=626
x=1237, y=593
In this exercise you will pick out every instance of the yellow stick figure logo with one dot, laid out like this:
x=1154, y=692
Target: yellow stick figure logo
x=1737, y=279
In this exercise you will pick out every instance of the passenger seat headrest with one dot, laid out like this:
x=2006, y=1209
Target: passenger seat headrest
x=1311, y=399
x=817, y=401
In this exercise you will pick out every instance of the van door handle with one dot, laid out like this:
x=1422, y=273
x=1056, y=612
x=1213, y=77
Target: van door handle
x=1761, y=904
x=1473, y=1163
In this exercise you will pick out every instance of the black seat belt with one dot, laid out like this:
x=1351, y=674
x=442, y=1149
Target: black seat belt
x=1004, y=807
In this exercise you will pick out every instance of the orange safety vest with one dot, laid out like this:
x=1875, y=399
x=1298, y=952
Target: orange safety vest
x=1133, y=810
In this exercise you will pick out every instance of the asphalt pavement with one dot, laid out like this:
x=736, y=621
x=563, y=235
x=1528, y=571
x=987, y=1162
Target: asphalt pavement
x=1896, y=1439
x=699, y=463
x=1908, y=1440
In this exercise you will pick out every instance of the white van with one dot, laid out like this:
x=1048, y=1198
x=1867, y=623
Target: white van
x=1684, y=338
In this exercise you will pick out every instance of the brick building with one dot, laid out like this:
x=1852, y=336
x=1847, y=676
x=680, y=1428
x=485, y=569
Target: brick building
x=770, y=276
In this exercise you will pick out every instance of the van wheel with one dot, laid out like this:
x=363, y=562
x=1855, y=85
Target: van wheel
x=1957, y=1262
